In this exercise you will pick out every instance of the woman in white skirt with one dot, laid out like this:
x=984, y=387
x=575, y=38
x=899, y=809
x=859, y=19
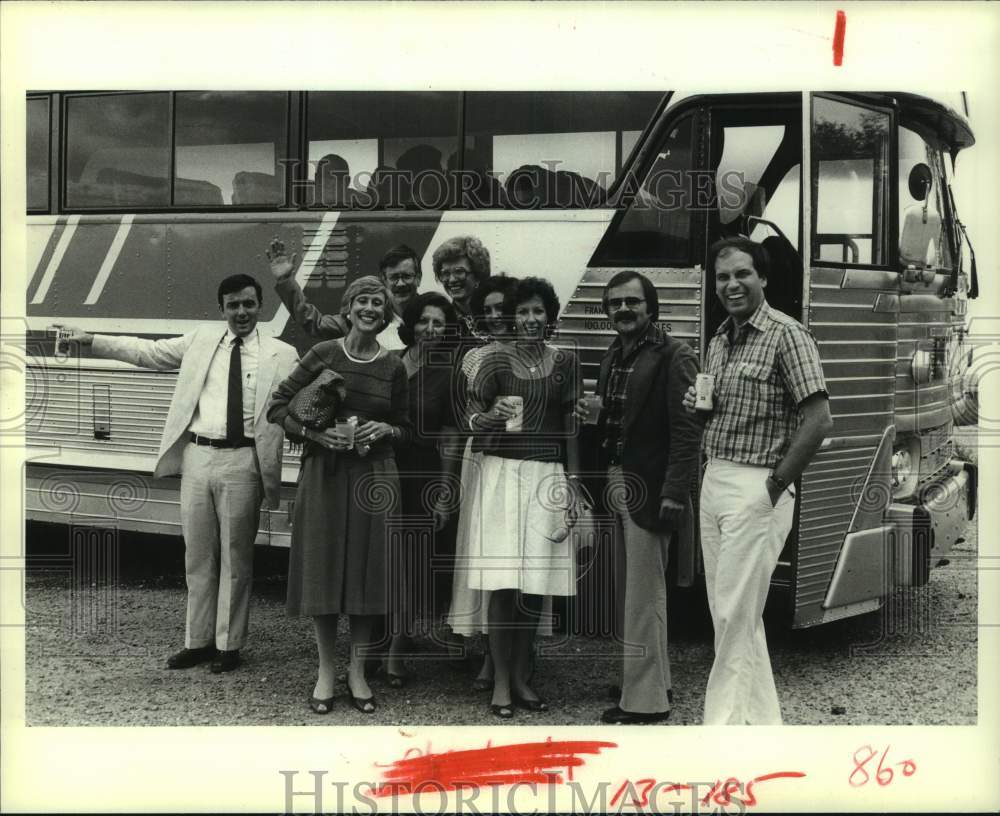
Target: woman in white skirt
x=467, y=615
x=521, y=412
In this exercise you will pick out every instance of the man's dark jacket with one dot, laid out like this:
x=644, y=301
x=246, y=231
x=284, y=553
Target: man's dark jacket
x=660, y=440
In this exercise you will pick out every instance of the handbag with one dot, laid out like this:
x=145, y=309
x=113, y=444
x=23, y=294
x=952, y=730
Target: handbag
x=315, y=405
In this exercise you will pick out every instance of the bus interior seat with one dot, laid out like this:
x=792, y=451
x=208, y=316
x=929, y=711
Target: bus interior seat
x=255, y=188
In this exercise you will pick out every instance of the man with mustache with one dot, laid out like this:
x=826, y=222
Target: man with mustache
x=770, y=414
x=217, y=436
x=399, y=270
x=650, y=445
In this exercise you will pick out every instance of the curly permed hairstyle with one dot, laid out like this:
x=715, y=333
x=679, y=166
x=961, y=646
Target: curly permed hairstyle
x=469, y=246
x=525, y=290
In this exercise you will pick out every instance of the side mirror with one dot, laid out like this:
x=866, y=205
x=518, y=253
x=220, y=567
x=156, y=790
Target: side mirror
x=920, y=181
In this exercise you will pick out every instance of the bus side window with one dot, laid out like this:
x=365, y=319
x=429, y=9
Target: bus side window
x=118, y=150
x=850, y=164
x=380, y=149
x=655, y=230
x=548, y=149
x=228, y=148
x=37, y=145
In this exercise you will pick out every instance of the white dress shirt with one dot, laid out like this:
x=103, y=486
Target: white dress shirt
x=210, y=415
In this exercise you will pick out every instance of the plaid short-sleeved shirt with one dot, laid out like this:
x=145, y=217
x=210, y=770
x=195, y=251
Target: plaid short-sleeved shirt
x=761, y=376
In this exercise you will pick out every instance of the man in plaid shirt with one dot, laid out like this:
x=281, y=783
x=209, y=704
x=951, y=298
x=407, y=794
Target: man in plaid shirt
x=771, y=413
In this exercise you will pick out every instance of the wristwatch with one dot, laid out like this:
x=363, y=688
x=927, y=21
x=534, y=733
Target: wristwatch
x=774, y=477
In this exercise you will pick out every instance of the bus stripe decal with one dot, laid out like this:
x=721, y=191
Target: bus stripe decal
x=50, y=270
x=109, y=260
x=315, y=251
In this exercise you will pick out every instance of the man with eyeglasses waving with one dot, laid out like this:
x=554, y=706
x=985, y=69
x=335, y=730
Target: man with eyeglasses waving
x=399, y=269
x=650, y=444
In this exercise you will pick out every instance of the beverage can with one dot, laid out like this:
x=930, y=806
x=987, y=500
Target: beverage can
x=704, y=385
x=595, y=404
x=514, y=424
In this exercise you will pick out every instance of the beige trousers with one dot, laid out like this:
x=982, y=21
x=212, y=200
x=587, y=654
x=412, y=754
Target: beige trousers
x=641, y=565
x=221, y=492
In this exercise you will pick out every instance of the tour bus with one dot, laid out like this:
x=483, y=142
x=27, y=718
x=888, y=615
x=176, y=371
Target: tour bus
x=139, y=203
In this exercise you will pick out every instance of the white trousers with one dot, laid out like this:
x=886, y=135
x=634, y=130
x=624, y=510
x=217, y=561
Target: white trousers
x=741, y=539
x=221, y=492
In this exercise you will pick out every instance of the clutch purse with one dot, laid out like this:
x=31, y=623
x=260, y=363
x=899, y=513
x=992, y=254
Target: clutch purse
x=316, y=405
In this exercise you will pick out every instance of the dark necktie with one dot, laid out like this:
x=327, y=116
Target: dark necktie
x=234, y=405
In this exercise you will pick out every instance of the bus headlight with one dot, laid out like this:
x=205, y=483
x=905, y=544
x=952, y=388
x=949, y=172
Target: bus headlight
x=905, y=468
x=922, y=366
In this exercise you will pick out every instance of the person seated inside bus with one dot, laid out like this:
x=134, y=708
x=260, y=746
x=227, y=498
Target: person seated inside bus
x=332, y=188
x=422, y=183
x=399, y=270
x=532, y=186
x=474, y=187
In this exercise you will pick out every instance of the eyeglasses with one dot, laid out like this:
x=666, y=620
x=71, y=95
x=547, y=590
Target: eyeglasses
x=630, y=303
x=403, y=277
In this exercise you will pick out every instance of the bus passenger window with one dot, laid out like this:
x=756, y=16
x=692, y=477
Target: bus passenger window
x=850, y=168
x=117, y=151
x=228, y=146
x=37, y=145
x=552, y=149
x=923, y=238
x=381, y=149
x=656, y=228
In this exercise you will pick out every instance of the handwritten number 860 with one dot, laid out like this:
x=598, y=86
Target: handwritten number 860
x=884, y=775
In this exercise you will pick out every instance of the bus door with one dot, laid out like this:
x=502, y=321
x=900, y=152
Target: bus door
x=656, y=231
x=853, y=300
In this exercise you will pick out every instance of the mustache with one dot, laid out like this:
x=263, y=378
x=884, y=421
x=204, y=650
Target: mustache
x=624, y=315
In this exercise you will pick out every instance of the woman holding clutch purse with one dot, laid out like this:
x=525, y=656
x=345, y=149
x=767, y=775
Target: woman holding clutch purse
x=521, y=410
x=348, y=488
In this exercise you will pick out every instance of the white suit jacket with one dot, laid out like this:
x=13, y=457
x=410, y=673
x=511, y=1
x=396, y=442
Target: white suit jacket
x=192, y=353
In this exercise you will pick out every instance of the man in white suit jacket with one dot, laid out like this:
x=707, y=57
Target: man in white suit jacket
x=216, y=435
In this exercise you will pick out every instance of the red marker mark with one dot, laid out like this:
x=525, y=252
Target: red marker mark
x=537, y=762
x=722, y=793
x=838, y=38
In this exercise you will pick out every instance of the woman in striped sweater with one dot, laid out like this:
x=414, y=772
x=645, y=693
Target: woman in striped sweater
x=347, y=490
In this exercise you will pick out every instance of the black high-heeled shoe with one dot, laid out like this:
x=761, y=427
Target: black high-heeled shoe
x=504, y=712
x=529, y=705
x=319, y=706
x=366, y=705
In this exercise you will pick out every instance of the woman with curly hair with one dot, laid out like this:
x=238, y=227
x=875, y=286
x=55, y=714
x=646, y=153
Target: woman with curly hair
x=348, y=489
x=521, y=411
x=462, y=265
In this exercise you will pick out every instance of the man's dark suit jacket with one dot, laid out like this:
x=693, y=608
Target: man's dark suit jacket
x=660, y=440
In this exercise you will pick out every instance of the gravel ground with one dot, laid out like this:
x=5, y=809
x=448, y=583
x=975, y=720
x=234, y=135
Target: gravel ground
x=913, y=662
